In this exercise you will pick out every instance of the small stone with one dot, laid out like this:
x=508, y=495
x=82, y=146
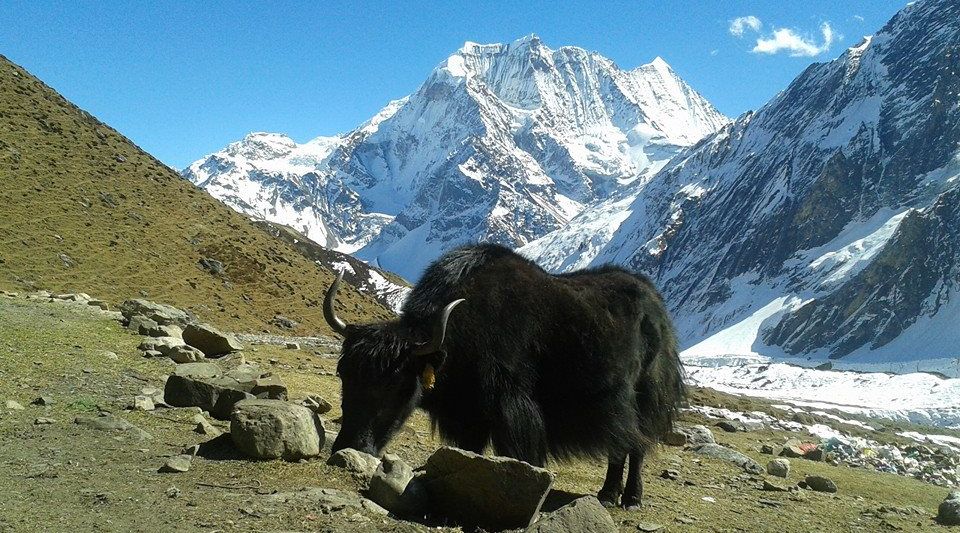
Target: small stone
x=317, y=404
x=42, y=401
x=13, y=405
x=143, y=403
x=649, y=526
x=773, y=487
x=173, y=492
x=697, y=435
x=209, y=340
x=293, y=345
x=820, y=484
x=793, y=448
x=675, y=438
x=43, y=421
x=394, y=488
x=768, y=449
x=814, y=454
x=177, y=464
x=731, y=426
x=769, y=503
x=111, y=423
x=357, y=462
x=583, y=514
x=204, y=427
x=670, y=474
x=183, y=354
x=779, y=467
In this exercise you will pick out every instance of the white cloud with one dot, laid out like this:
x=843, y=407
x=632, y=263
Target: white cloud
x=788, y=40
x=858, y=18
x=740, y=24
x=715, y=51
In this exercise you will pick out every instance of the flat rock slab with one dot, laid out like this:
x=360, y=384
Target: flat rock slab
x=583, y=514
x=325, y=500
x=274, y=429
x=209, y=340
x=111, y=423
x=203, y=385
x=726, y=454
x=494, y=493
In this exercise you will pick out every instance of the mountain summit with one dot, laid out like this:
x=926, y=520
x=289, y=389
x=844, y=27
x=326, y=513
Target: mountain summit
x=501, y=143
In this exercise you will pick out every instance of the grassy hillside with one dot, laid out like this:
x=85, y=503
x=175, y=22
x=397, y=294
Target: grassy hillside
x=84, y=209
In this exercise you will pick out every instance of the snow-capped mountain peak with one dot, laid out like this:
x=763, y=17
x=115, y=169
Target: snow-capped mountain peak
x=502, y=142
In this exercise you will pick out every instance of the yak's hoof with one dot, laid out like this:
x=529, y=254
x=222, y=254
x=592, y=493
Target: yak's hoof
x=631, y=503
x=609, y=499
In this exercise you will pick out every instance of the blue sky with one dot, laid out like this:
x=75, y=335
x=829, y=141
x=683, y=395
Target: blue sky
x=182, y=79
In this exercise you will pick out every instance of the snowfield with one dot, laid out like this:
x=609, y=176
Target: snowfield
x=917, y=397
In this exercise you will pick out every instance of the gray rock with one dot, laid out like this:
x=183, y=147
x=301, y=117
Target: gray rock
x=13, y=405
x=43, y=421
x=209, y=340
x=102, y=305
x=204, y=427
x=324, y=501
x=583, y=514
x=161, y=314
x=792, y=448
x=779, y=467
x=726, y=454
x=948, y=513
x=42, y=401
x=171, y=330
x=731, y=426
x=820, y=484
x=274, y=429
x=675, y=438
x=394, y=487
x=489, y=492
x=202, y=385
x=182, y=353
x=140, y=325
x=697, y=435
x=212, y=266
x=143, y=403
x=317, y=404
x=357, y=462
x=649, y=527
x=177, y=464
x=292, y=345
x=269, y=386
x=111, y=423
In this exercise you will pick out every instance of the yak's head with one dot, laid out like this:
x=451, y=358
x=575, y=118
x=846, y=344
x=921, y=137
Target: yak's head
x=384, y=370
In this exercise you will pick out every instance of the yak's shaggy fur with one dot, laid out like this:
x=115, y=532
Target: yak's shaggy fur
x=538, y=365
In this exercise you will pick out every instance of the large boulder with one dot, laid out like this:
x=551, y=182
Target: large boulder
x=726, y=454
x=948, y=514
x=209, y=340
x=274, y=429
x=203, y=385
x=181, y=353
x=490, y=492
x=583, y=514
x=162, y=314
x=394, y=487
x=697, y=435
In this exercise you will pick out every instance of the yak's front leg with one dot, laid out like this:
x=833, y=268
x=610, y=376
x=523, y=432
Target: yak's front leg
x=609, y=494
x=633, y=492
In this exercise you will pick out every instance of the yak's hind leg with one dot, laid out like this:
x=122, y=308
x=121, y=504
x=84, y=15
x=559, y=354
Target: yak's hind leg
x=612, y=488
x=633, y=492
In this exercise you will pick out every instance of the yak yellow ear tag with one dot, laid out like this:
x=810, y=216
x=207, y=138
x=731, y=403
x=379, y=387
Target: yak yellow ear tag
x=429, y=377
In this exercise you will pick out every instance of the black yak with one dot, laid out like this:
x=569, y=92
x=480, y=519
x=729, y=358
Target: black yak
x=498, y=351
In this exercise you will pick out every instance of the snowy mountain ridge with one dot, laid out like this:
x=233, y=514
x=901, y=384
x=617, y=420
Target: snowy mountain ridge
x=823, y=225
x=502, y=142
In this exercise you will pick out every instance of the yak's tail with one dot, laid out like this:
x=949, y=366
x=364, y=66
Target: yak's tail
x=661, y=391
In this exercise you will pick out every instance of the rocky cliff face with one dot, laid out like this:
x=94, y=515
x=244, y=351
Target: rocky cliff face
x=818, y=225
x=501, y=143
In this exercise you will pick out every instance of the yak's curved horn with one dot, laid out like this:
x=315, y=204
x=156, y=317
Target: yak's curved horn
x=329, y=314
x=439, y=331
